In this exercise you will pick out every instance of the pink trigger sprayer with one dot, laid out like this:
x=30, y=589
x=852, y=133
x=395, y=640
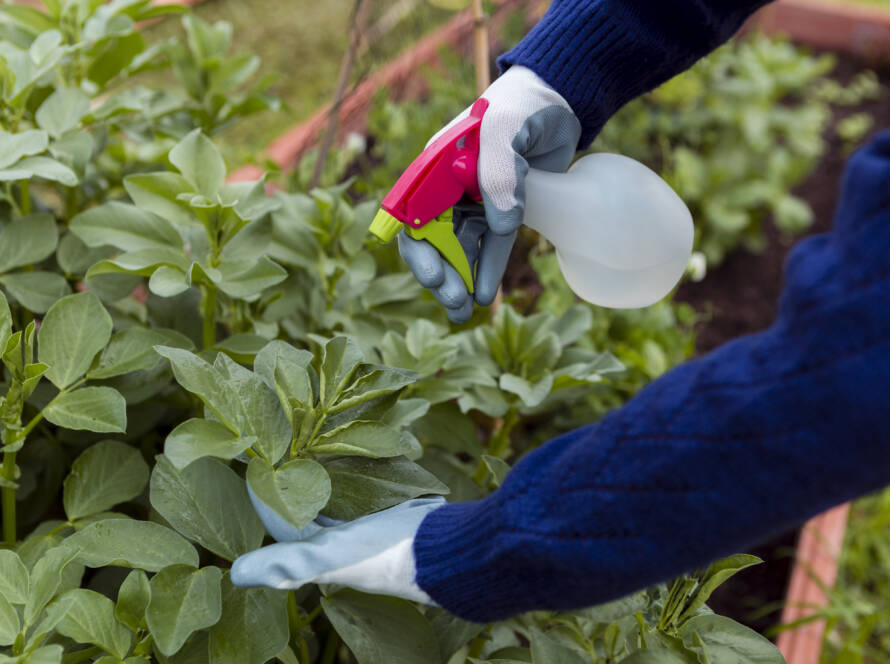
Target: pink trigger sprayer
x=623, y=237
x=422, y=198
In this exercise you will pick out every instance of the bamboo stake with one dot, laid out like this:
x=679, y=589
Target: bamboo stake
x=360, y=14
x=480, y=47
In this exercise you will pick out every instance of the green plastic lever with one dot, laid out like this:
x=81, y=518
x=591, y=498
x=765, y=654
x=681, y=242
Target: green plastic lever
x=439, y=232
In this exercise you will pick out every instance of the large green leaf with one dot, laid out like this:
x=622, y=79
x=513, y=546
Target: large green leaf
x=62, y=111
x=38, y=290
x=183, y=600
x=360, y=485
x=132, y=349
x=715, y=575
x=74, y=329
x=196, y=438
x=14, y=146
x=157, y=192
x=253, y=627
x=27, y=240
x=88, y=617
x=287, y=370
x=46, y=576
x=5, y=322
x=381, y=629
x=545, y=650
x=13, y=577
x=39, y=167
x=245, y=279
x=132, y=599
x=208, y=503
x=370, y=382
x=721, y=640
x=100, y=409
x=130, y=543
x=296, y=490
x=126, y=227
x=200, y=162
x=10, y=625
x=106, y=474
x=339, y=360
x=237, y=397
x=370, y=439
x=142, y=262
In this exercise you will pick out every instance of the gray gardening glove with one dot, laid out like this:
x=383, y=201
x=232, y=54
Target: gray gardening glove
x=527, y=124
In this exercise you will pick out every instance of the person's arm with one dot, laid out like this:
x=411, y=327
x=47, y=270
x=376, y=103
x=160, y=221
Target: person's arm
x=600, y=54
x=709, y=459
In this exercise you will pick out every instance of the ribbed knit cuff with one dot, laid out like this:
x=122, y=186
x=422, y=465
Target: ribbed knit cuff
x=600, y=54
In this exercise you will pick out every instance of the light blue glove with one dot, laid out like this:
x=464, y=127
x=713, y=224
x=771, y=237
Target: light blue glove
x=374, y=554
x=527, y=124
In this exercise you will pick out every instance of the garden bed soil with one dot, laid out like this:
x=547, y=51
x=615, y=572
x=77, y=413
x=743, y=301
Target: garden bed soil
x=741, y=296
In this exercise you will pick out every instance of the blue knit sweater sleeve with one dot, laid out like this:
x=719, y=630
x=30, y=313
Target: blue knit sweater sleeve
x=600, y=54
x=711, y=458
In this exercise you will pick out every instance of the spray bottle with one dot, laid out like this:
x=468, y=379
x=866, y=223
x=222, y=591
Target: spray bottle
x=622, y=236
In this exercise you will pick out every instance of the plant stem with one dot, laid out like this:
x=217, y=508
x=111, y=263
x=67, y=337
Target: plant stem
x=8, y=493
x=208, y=316
x=24, y=190
x=477, y=644
x=331, y=647
x=499, y=444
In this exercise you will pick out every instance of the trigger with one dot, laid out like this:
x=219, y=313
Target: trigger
x=439, y=232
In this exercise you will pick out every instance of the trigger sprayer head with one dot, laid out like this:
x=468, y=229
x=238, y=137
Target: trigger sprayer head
x=385, y=226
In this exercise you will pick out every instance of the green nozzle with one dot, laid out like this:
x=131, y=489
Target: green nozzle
x=385, y=226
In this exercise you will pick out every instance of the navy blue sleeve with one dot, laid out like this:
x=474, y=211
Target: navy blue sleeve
x=600, y=54
x=711, y=458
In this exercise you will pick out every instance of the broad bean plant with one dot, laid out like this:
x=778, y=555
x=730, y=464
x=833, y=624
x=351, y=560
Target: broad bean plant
x=172, y=341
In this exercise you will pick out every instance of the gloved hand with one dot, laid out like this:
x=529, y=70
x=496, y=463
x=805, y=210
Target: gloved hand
x=527, y=124
x=374, y=554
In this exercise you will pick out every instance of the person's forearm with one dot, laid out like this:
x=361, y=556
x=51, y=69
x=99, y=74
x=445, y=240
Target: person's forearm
x=711, y=458
x=600, y=54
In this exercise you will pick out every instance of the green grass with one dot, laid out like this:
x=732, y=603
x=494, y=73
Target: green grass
x=301, y=42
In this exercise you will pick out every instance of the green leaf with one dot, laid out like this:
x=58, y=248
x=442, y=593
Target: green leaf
x=132, y=600
x=132, y=349
x=46, y=576
x=237, y=397
x=370, y=439
x=130, y=543
x=88, y=617
x=339, y=360
x=655, y=656
x=199, y=161
x=126, y=227
x=143, y=262
x=168, y=281
x=545, y=650
x=360, y=486
x=37, y=291
x=40, y=167
x=253, y=627
x=715, y=575
x=13, y=577
x=100, y=409
x=157, y=193
x=27, y=240
x=244, y=279
x=497, y=467
x=74, y=329
x=10, y=625
x=242, y=347
x=617, y=609
x=14, y=146
x=45, y=655
x=5, y=322
x=106, y=474
x=196, y=438
x=296, y=490
x=183, y=600
x=452, y=633
x=287, y=370
x=208, y=503
x=372, y=381
x=721, y=640
x=62, y=111
x=381, y=629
